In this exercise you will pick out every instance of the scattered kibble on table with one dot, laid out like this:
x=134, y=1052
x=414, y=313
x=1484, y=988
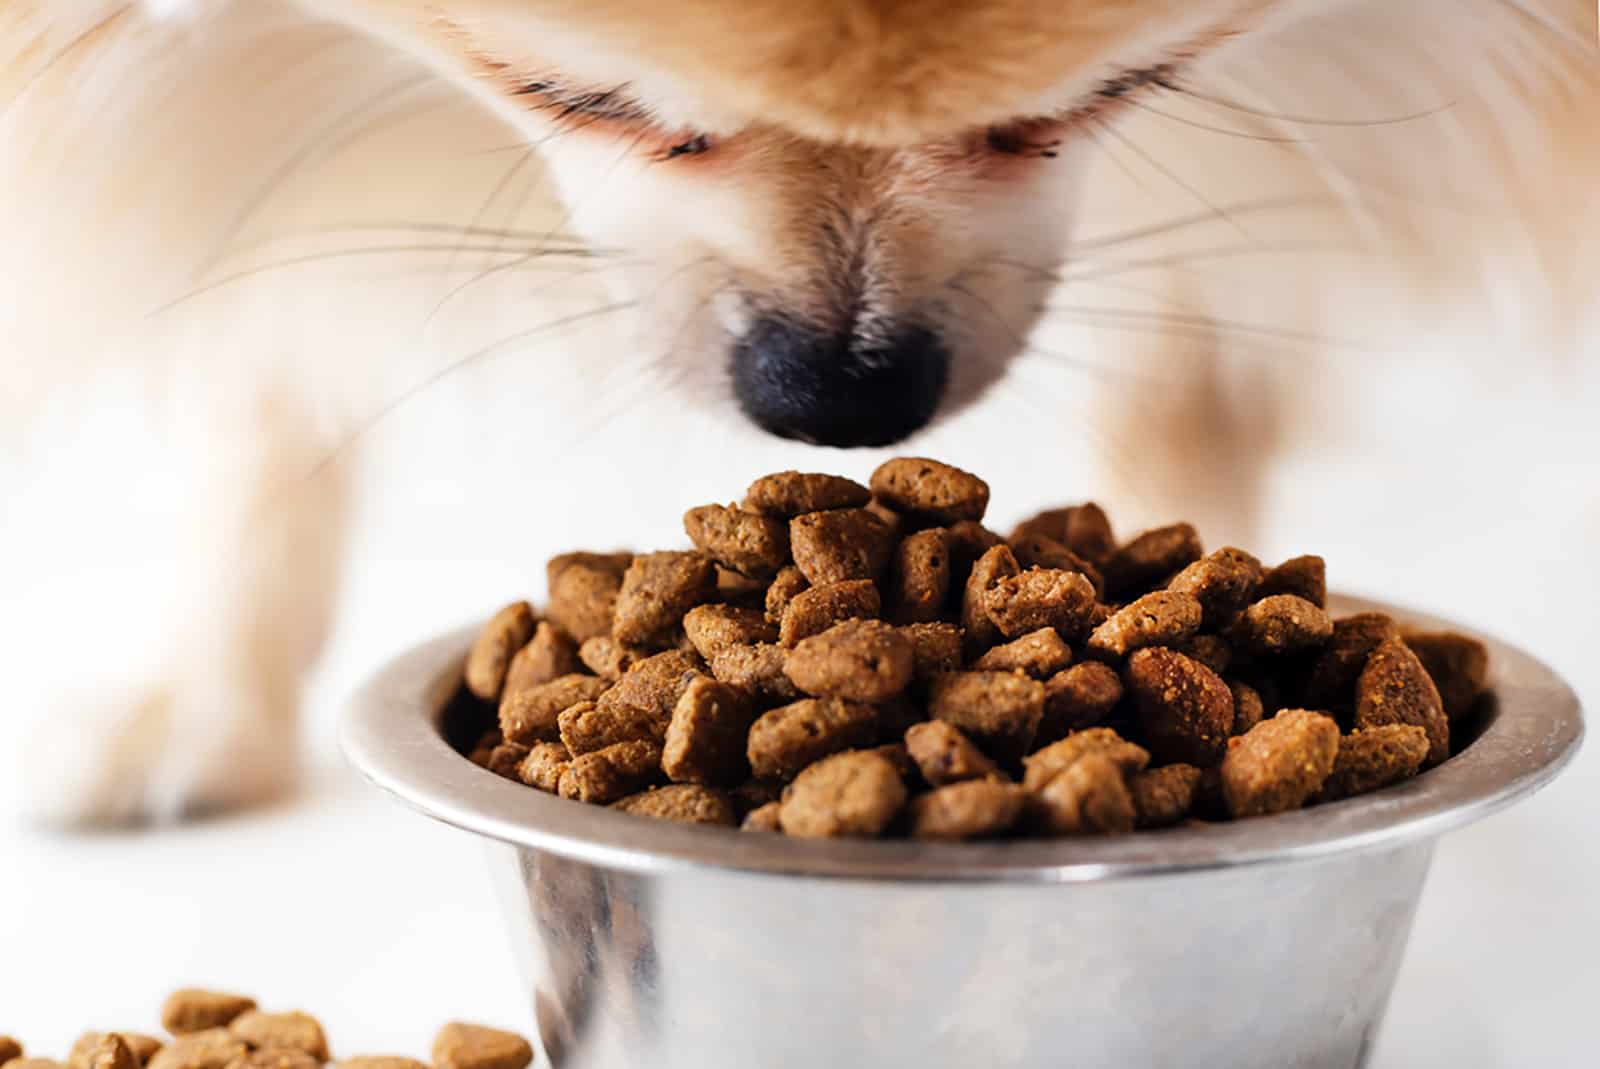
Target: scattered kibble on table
x=218, y=1030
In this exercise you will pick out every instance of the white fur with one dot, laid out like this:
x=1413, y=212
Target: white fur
x=172, y=532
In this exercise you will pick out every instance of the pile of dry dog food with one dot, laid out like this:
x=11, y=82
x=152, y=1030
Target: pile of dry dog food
x=215, y=1030
x=833, y=659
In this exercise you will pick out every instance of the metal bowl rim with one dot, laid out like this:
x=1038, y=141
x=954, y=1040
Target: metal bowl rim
x=390, y=732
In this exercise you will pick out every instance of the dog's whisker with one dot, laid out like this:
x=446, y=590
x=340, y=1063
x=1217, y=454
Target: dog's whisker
x=1177, y=180
x=1105, y=151
x=1179, y=322
x=298, y=160
x=1019, y=339
x=1307, y=120
x=493, y=349
x=1164, y=229
x=1275, y=139
x=514, y=240
x=566, y=216
x=338, y=254
x=497, y=189
x=81, y=39
x=1102, y=268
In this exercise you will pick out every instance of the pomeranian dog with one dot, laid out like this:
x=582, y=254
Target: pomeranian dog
x=427, y=290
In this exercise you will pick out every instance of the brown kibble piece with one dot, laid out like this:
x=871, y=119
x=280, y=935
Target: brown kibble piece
x=1283, y=623
x=1162, y=618
x=530, y=715
x=712, y=628
x=969, y=541
x=1331, y=681
x=504, y=759
x=706, y=739
x=657, y=589
x=1151, y=558
x=471, y=1046
x=935, y=648
x=999, y=711
x=1394, y=688
x=589, y=726
x=1084, y=529
x=1163, y=796
x=1088, y=797
x=9, y=1049
x=1279, y=763
x=294, y=1031
x=687, y=803
x=974, y=809
x=794, y=493
x=1248, y=708
x=943, y=755
x=897, y=755
x=1080, y=697
x=741, y=590
x=856, y=793
x=550, y=654
x=749, y=543
x=757, y=670
x=813, y=611
x=919, y=577
x=276, y=1058
x=1304, y=577
x=785, y=585
x=485, y=747
x=1184, y=709
x=209, y=1048
x=612, y=773
x=110, y=1051
x=655, y=684
x=1088, y=532
x=929, y=491
x=858, y=660
x=142, y=1046
x=1039, y=654
x=1458, y=665
x=1037, y=551
x=892, y=521
x=842, y=544
x=195, y=1010
x=764, y=818
x=1044, y=765
x=787, y=739
x=583, y=591
x=608, y=658
x=1223, y=583
x=1374, y=758
x=1039, y=598
x=997, y=564
x=506, y=632
x=543, y=766
x=1210, y=650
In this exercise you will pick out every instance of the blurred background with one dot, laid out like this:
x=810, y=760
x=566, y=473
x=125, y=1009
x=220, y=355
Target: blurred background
x=1425, y=422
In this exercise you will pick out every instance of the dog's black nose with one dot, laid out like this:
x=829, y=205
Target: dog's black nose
x=837, y=389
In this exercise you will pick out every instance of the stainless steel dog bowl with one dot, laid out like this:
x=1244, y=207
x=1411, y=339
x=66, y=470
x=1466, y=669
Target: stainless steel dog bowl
x=1270, y=942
